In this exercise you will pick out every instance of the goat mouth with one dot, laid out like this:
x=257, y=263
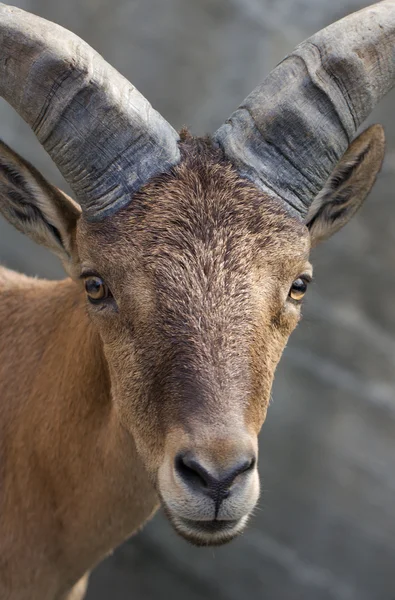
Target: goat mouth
x=208, y=533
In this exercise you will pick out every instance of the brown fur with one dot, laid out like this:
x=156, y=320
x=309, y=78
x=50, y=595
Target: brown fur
x=72, y=484
x=96, y=401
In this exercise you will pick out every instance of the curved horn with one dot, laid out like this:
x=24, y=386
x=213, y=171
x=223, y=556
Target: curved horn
x=289, y=133
x=100, y=131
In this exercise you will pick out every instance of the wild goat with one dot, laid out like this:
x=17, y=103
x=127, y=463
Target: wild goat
x=145, y=377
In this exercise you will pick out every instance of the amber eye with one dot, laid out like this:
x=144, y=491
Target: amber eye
x=96, y=289
x=298, y=289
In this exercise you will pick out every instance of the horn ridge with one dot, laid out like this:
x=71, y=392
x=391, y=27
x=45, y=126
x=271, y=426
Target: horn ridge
x=290, y=132
x=104, y=136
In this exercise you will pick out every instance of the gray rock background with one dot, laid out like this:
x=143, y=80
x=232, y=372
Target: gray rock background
x=325, y=529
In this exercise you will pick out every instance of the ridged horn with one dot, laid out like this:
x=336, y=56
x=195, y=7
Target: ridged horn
x=290, y=132
x=103, y=135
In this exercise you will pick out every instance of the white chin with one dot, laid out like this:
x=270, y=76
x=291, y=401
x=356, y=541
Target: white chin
x=208, y=533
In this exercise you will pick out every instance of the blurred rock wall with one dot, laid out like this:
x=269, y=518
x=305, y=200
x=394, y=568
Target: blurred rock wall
x=325, y=529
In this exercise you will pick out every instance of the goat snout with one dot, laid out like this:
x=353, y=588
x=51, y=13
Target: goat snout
x=209, y=484
x=217, y=484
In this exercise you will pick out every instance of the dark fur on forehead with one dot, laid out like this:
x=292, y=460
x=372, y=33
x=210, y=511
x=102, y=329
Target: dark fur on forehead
x=203, y=190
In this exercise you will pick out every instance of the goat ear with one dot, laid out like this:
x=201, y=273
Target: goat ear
x=37, y=208
x=348, y=186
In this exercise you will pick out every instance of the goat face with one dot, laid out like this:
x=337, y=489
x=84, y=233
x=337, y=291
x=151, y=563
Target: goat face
x=194, y=288
x=199, y=269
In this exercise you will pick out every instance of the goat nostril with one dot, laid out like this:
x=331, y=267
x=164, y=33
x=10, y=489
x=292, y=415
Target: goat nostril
x=249, y=465
x=191, y=472
x=196, y=476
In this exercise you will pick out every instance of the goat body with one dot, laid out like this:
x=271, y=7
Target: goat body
x=72, y=485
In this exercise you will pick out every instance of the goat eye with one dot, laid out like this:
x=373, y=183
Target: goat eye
x=96, y=289
x=298, y=289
